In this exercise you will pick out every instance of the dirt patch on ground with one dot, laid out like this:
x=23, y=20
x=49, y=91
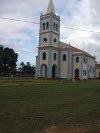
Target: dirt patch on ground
x=86, y=128
x=66, y=130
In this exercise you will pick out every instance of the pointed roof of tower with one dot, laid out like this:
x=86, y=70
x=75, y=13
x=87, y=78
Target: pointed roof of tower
x=51, y=7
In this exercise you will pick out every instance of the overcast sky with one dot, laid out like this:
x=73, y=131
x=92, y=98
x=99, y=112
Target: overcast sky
x=24, y=37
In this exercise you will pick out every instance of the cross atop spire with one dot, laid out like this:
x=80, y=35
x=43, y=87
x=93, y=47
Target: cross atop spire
x=51, y=7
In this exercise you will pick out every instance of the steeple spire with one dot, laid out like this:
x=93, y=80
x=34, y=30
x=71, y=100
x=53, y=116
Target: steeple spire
x=51, y=7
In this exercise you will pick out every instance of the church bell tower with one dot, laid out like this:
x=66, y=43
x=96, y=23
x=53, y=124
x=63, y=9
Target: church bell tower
x=49, y=27
x=49, y=37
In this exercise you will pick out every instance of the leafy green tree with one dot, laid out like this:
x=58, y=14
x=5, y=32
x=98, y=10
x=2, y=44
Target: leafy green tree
x=8, y=60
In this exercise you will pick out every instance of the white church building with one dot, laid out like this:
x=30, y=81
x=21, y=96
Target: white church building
x=57, y=59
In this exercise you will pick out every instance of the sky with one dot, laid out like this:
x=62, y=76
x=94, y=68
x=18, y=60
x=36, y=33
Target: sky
x=24, y=37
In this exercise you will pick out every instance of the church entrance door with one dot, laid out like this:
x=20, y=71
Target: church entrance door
x=77, y=74
x=44, y=71
x=54, y=71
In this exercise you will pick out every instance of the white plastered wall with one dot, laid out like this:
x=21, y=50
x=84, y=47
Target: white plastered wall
x=44, y=61
x=54, y=62
x=56, y=43
x=91, y=64
x=64, y=65
x=47, y=36
x=77, y=66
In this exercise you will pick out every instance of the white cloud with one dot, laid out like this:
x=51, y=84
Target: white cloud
x=80, y=14
x=83, y=14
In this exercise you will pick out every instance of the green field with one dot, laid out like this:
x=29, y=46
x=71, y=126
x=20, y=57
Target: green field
x=36, y=106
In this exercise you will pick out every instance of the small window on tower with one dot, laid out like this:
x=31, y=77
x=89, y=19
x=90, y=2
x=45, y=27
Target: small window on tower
x=56, y=27
x=44, y=40
x=77, y=59
x=44, y=56
x=54, y=56
x=43, y=26
x=55, y=40
x=47, y=25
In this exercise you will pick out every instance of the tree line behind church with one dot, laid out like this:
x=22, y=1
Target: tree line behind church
x=8, y=64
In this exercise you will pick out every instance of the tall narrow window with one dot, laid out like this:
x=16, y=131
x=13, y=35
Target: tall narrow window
x=44, y=56
x=43, y=26
x=77, y=59
x=55, y=40
x=83, y=72
x=93, y=69
x=84, y=60
x=47, y=25
x=64, y=57
x=90, y=69
x=54, y=26
x=54, y=56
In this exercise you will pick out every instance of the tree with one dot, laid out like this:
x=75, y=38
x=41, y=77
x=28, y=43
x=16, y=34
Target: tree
x=28, y=64
x=22, y=65
x=1, y=56
x=26, y=70
x=8, y=59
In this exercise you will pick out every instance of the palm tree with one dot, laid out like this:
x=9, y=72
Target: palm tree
x=22, y=65
x=28, y=64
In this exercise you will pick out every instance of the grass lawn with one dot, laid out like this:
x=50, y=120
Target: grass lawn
x=36, y=106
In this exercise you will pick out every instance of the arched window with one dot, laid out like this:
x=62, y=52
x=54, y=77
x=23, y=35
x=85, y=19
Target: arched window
x=77, y=59
x=54, y=56
x=90, y=69
x=64, y=57
x=93, y=69
x=47, y=25
x=55, y=40
x=44, y=56
x=44, y=40
x=43, y=26
x=54, y=26
x=84, y=59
